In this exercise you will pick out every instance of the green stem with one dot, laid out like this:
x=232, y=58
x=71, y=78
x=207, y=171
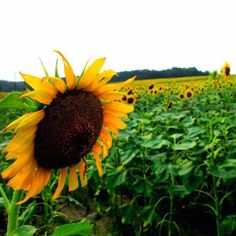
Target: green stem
x=13, y=212
x=217, y=206
x=171, y=207
x=6, y=201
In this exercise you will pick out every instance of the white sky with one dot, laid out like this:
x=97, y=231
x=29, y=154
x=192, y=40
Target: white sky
x=131, y=34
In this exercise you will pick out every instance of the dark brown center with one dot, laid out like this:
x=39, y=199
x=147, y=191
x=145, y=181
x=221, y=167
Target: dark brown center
x=70, y=128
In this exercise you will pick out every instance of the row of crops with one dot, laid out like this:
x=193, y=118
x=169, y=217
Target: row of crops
x=172, y=171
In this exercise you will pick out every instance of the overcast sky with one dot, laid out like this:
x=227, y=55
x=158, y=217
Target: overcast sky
x=131, y=34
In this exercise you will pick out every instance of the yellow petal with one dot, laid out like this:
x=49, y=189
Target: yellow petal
x=57, y=82
x=114, y=86
x=14, y=168
x=33, y=119
x=18, y=150
x=110, y=96
x=39, y=84
x=114, y=121
x=90, y=74
x=96, y=150
x=23, y=138
x=24, y=178
x=71, y=78
x=82, y=167
x=61, y=183
x=73, y=179
x=104, y=151
x=118, y=107
x=37, y=185
x=101, y=79
x=117, y=114
x=106, y=138
x=14, y=124
x=40, y=96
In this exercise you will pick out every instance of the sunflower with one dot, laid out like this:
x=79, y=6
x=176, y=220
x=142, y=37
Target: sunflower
x=226, y=70
x=180, y=96
x=189, y=93
x=78, y=115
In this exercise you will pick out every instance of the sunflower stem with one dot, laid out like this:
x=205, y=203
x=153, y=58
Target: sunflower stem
x=5, y=199
x=13, y=212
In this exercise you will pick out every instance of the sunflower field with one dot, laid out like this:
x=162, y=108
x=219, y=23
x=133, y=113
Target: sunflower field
x=170, y=170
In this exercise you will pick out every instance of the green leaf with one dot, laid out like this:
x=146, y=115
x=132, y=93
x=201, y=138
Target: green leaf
x=156, y=143
x=128, y=156
x=184, y=146
x=195, y=131
x=13, y=101
x=2, y=203
x=179, y=190
x=24, y=230
x=116, y=178
x=148, y=214
x=228, y=225
x=128, y=213
x=82, y=228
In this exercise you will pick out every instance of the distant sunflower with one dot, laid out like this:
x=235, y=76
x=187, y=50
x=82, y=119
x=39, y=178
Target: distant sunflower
x=226, y=69
x=181, y=96
x=78, y=116
x=189, y=93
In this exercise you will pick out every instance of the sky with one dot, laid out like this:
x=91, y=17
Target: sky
x=131, y=34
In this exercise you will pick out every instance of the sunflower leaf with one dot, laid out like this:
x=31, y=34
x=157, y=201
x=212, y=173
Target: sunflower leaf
x=24, y=230
x=13, y=101
x=82, y=228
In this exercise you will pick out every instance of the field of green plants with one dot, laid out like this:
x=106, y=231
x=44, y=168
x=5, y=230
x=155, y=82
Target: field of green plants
x=172, y=171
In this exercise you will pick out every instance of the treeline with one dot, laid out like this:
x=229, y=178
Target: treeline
x=152, y=74
x=7, y=86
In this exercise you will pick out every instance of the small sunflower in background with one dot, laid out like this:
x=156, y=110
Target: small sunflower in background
x=78, y=115
x=226, y=70
x=181, y=96
x=150, y=88
x=189, y=94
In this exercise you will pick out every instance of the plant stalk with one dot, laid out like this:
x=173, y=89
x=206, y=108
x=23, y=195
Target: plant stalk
x=13, y=212
x=217, y=206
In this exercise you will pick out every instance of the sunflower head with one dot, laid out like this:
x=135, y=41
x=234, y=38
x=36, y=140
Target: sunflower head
x=79, y=115
x=226, y=69
x=181, y=96
x=189, y=93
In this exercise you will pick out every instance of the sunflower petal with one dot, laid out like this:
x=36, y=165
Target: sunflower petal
x=101, y=79
x=110, y=96
x=23, y=138
x=107, y=88
x=90, y=74
x=57, y=82
x=33, y=119
x=118, y=107
x=23, y=179
x=37, y=185
x=113, y=120
x=71, y=78
x=14, y=168
x=16, y=122
x=39, y=84
x=73, y=179
x=61, y=183
x=104, y=151
x=96, y=150
x=40, y=96
x=82, y=173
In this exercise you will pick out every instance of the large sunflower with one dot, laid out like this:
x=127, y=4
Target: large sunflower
x=79, y=115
